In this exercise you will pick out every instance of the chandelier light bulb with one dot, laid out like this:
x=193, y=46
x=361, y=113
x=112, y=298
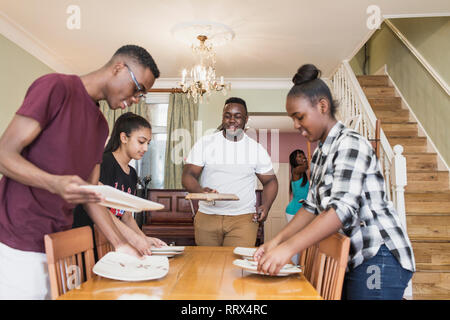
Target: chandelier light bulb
x=203, y=78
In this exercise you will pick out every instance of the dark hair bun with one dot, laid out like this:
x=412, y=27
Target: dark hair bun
x=305, y=73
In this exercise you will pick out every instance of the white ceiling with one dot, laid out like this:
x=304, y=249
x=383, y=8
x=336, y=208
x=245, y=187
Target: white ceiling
x=272, y=38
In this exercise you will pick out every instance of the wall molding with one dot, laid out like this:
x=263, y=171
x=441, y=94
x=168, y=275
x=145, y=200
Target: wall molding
x=431, y=147
x=416, y=15
x=32, y=45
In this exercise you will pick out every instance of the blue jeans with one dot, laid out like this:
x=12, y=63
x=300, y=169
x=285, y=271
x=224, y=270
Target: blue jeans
x=379, y=278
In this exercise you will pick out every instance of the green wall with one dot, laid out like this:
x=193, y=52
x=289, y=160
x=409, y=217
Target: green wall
x=18, y=69
x=425, y=96
x=431, y=37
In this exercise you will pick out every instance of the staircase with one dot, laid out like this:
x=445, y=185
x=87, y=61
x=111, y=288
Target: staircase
x=427, y=195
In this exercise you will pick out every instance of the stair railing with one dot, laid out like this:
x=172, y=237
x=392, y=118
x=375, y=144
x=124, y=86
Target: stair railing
x=353, y=103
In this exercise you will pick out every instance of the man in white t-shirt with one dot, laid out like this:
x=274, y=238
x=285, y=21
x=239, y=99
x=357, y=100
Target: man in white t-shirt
x=229, y=161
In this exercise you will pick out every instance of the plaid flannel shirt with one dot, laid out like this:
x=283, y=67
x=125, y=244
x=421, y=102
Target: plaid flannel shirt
x=346, y=176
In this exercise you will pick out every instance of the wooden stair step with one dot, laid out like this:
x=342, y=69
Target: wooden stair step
x=427, y=181
x=426, y=227
x=436, y=283
x=373, y=80
x=374, y=92
x=400, y=129
x=385, y=103
x=421, y=161
x=431, y=297
x=443, y=196
x=401, y=115
x=410, y=145
x=431, y=255
x=428, y=207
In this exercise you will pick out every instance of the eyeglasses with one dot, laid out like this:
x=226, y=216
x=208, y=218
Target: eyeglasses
x=139, y=91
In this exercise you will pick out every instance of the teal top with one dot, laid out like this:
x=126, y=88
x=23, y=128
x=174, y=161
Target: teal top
x=298, y=193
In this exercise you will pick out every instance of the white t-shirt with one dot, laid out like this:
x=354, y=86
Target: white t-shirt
x=229, y=167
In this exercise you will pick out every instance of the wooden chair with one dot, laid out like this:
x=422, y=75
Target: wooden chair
x=70, y=258
x=307, y=260
x=325, y=264
x=102, y=244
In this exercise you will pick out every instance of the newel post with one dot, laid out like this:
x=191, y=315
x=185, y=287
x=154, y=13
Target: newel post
x=399, y=183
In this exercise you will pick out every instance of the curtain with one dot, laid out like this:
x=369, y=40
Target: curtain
x=180, y=137
x=112, y=115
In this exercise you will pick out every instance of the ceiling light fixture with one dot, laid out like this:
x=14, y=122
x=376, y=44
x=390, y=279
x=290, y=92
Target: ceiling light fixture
x=201, y=79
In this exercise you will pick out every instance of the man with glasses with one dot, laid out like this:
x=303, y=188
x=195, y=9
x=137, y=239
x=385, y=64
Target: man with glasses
x=53, y=145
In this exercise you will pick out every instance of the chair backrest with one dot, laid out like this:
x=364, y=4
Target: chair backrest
x=102, y=244
x=70, y=258
x=325, y=263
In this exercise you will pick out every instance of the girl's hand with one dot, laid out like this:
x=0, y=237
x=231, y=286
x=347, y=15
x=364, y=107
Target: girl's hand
x=128, y=249
x=266, y=247
x=275, y=259
x=142, y=245
x=155, y=242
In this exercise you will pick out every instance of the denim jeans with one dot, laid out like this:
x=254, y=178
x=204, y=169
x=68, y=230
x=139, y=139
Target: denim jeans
x=379, y=278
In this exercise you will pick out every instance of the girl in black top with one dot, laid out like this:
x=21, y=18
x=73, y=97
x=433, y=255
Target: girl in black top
x=129, y=140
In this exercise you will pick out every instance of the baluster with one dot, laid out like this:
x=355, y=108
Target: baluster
x=387, y=172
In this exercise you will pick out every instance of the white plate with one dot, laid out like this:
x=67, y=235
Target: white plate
x=117, y=199
x=247, y=253
x=251, y=266
x=168, y=249
x=168, y=255
x=165, y=253
x=120, y=266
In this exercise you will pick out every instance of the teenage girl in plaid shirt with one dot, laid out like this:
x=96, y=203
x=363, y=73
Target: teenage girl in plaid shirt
x=347, y=193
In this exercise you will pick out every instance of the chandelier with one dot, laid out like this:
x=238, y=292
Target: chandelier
x=201, y=79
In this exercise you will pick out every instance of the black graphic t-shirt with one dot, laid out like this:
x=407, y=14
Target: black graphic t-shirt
x=111, y=174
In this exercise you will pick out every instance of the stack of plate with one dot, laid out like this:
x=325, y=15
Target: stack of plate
x=251, y=266
x=246, y=253
x=167, y=251
x=120, y=266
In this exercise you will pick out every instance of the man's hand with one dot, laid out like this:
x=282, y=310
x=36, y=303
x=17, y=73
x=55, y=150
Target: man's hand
x=68, y=188
x=209, y=190
x=261, y=214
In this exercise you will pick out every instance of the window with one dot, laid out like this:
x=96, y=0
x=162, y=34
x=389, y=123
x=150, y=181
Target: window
x=153, y=163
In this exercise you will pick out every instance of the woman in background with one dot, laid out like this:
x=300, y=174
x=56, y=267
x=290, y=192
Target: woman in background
x=298, y=186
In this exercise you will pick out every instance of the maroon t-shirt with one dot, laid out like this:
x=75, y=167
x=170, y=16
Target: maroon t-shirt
x=71, y=142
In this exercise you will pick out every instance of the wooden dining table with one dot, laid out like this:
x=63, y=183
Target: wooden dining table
x=200, y=273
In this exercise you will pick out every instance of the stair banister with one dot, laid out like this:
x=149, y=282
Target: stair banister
x=352, y=102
